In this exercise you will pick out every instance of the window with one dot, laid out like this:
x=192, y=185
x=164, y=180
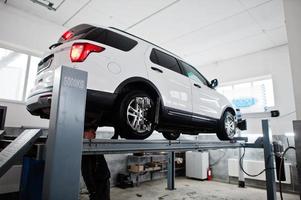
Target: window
x=14, y=68
x=267, y=86
x=250, y=96
x=33, y=68
x=165, y=60
x=111, y=38
x=153, y=57
x=193, y=73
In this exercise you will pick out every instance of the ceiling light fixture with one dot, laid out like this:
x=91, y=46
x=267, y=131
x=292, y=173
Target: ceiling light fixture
x=49, y=5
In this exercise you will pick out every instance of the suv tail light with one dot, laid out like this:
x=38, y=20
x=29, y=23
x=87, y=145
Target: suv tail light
x=67, y=35
x=80, y=51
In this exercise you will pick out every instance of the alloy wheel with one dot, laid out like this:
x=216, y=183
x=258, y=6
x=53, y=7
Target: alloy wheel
x=230, y=126
x=137, y=114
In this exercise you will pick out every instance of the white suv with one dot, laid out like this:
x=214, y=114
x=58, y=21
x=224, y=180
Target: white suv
x=134, y=86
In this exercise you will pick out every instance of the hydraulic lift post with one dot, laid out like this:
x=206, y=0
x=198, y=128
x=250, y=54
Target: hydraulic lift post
x=171, y=171
x=268, y=150
x=65, y=136
x=269, y=161
x=241, y=175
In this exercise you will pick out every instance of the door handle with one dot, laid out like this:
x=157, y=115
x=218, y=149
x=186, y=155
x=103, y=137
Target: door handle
x=197, y=85
x=157, y=69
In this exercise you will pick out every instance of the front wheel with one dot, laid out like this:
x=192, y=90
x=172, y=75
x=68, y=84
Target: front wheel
x=136, y=115
x=171, y=136
x=227, y=126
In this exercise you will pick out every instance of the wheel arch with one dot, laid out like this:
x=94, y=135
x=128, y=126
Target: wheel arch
x=138, y=83
x=229, y=109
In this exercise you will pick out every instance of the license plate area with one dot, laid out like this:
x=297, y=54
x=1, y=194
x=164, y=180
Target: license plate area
x=45, y=63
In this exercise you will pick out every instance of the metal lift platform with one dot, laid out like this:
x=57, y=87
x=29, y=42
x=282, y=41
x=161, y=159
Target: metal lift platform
x=65, y=145
x=107, y=146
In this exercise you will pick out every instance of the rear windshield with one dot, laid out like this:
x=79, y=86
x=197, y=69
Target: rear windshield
x=111, y=38
x=104, y=36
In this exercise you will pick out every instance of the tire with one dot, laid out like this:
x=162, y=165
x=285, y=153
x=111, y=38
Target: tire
x=227, y=127
x=171, y=136
x=136, y=115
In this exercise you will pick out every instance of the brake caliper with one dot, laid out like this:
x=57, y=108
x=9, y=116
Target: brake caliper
x=144, y=104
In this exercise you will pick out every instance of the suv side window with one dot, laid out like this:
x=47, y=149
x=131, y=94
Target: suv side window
x=160, y=58
x=192, y=73
x=111, y=38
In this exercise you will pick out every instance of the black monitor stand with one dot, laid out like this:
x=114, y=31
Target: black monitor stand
x=2, y=116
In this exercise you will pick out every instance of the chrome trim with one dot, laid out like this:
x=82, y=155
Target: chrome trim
x=40, y=91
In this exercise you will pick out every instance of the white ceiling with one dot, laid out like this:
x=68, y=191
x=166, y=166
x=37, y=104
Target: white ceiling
x=200, y=31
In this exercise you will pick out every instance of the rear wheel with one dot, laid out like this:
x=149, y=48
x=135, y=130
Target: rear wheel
x=136, y=115
x=227, y=127
x=171, y=136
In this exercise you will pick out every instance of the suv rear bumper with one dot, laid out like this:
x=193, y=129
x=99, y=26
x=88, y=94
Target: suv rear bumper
x=39, y=103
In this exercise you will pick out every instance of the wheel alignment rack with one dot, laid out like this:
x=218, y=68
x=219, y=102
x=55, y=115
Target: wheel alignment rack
x=65, y=137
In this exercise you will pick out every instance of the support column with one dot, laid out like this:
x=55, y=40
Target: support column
x=293, y=28
x=65, y=136
x=171, y=171
x=269, y=162
x=292, y=15
x=241, y=175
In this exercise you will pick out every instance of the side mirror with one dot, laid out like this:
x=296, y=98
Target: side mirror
x=214, y=83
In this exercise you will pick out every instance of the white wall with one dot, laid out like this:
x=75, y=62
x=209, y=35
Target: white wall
x=273, y=62
x=293, y=26
x=23, y=32
x=26, y=32
x=18, y=116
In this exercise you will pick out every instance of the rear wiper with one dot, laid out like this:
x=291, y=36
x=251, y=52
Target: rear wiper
x=55, y=45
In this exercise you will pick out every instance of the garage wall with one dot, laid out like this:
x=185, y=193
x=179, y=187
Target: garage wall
x=27, y=32
x=218, y=160
x=293, y=26
x=18, y=116
x=274, y=62
x=24, y=32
